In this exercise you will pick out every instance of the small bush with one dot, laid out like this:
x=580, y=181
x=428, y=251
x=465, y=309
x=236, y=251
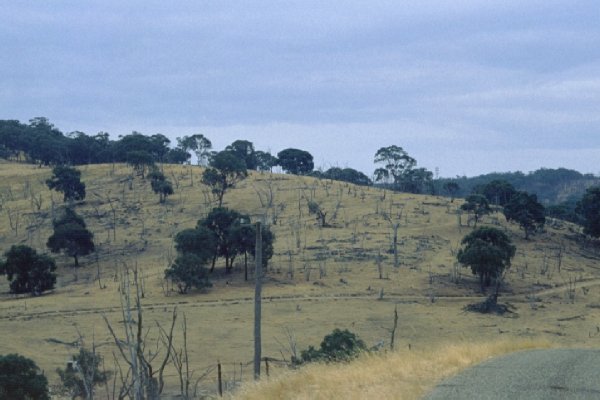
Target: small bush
x=335, y=347
x=81, y=379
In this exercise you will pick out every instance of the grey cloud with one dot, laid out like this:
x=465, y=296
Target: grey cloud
x=435, y=76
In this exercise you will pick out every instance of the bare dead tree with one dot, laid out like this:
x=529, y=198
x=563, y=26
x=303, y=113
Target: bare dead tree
x=142, y=217
x=13, y=219
x=292, y=345
x=317, y=209
x=9, y=193
x=175, y=179
x=36, y=202
x=27, y=191
x=98, y=274
x=379, y=263
x=146, y=381
x=180, y=359
x=88, y=374
x=207, y=195
x=395, y=225
x=113, y=210
x=559, y=255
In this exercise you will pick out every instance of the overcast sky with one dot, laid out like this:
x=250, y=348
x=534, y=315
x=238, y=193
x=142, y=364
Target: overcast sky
x=466, y=86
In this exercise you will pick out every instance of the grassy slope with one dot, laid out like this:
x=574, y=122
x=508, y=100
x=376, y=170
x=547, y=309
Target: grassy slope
x=320, y=278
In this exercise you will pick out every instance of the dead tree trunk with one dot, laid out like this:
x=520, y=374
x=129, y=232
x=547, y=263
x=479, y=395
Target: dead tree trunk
x=142, y=381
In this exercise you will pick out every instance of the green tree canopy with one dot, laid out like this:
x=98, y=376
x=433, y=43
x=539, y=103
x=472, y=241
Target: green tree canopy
x=589, y=209
x=223, y=233
x=188, y=271
x=498, y=192
x=295, y=161
x=177, y=156
x=160, y=184
x=143, y=147
x=243, y=237
x=45, y=144
x=395, y=163
x=67, y=181
x=417, y=180
x=140, y=160
x=346, y=175
x=524, y=209
x=27, y=271
x=225, y=171
x=199, y=241
x=452, y=189
x=268, y=239
x=199, y=144
x=71, y=236
x=565, y=210
x=244, y=150
x=265, y=161
x=21, y=379
x=195, y=247
x=222, y=221
x=488, y=251
x=477, y=205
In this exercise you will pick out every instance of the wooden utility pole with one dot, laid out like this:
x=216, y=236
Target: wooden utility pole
x=220, y=379
x=257, y=302
x=396, y=261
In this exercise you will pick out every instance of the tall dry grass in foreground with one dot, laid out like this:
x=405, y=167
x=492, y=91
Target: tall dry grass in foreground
x=399, y=375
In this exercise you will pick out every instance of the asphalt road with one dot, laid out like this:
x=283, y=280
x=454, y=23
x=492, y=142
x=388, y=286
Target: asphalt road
x=538, y=374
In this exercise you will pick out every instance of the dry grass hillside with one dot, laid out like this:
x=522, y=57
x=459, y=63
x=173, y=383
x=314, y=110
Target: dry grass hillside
x=340, y=276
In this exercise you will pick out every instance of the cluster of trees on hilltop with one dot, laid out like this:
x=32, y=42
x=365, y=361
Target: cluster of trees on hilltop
x=344, y=174
x=398, y=171
x=42, y=143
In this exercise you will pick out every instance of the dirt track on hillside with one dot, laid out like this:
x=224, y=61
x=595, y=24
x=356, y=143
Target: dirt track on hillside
x=389, y=297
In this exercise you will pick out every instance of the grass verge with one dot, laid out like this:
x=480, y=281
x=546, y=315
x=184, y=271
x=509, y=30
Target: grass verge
x=401, y=374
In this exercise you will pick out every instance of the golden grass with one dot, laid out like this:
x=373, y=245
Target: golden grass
x=400, y=375
x=319, y=278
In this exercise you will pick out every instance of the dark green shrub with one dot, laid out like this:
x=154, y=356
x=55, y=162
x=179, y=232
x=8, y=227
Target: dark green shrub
x=20, y=379
x=188, y=271
x=337, y=346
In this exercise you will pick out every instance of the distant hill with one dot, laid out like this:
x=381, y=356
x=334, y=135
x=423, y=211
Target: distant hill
x=552, y=186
